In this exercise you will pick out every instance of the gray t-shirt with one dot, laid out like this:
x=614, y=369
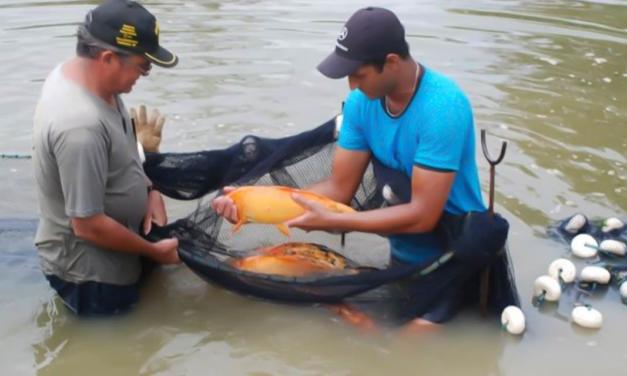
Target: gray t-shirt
x=86, y=163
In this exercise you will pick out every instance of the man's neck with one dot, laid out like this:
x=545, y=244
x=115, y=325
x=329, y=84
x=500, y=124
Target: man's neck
x=84, y=72
x=398, y=99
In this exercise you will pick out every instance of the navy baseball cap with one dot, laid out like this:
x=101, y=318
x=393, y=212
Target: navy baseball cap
x=129, y=26
x=369, y=34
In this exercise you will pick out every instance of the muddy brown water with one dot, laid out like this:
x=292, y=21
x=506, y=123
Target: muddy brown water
x=549, y=77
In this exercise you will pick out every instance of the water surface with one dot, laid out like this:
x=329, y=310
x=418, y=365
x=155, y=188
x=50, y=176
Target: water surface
x=549, y=77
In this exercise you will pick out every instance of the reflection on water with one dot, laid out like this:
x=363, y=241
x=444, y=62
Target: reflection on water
x=548, y=77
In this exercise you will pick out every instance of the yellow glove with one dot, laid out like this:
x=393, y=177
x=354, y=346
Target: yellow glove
x=148, y=128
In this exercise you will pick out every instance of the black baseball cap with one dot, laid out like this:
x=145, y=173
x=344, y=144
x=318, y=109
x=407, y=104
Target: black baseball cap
x=369, y=34
x=129, y=26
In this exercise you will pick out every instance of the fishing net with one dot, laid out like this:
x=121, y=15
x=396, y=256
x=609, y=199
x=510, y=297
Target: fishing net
x=208, y=246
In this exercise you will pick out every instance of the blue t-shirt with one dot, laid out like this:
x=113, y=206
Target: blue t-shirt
x=436, y=131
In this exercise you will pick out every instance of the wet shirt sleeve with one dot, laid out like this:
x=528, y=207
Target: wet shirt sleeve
x=352, y=136
x=82, y=159
x=443, y=136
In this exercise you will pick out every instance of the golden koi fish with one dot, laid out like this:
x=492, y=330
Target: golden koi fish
x=274, y=205
x=306, y=259
x=294, y=260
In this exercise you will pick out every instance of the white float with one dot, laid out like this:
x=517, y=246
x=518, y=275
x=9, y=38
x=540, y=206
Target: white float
x=623, y=291
x=562, y=269
x=596, y=274
x=513, y=320
x=389, y=195
x=587, y=317
x=576, y=223
x=584, y=246
x=615, y=247
x=547, y=288
x=612, y=224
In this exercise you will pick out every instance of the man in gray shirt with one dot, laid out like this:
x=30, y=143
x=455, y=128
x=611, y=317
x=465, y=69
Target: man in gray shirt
x=93, y=193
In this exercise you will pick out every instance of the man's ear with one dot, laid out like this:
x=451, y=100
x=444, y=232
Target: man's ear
x=107, y=56
x=392, y=60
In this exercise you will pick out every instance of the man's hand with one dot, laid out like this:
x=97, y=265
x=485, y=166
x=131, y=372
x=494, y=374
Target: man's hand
x=316, y=216
x=148, y=128
x=155, y=211
x=225, y=207
x=165, y=251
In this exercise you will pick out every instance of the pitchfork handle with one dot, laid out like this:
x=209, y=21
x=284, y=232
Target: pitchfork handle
x=493, y=162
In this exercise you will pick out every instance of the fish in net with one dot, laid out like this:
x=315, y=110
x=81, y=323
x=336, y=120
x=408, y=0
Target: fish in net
x=208, y=246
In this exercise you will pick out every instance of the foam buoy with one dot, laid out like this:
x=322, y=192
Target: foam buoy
x=623, y=291
x=513, y=320
x=615, y=247
x=584, y=245
x=596, y=274
x=587, y=317
x=576, y=223
x=563, y=270
x=611, y=224
x=546, y=288
x=389, y=195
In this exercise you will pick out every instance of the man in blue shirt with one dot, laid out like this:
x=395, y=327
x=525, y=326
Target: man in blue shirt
x=411, y=119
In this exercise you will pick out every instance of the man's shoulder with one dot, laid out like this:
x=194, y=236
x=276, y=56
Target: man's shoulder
x=443, y=87
x=359, y=108
x=67, y=114
x=357, y=98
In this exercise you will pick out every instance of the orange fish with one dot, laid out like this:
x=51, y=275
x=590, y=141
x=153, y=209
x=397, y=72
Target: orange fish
x=294, y=260
x=274, y=205
x=305, y=259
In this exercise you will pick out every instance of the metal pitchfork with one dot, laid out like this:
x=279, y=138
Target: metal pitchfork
x=485, y=274
x=493, y=162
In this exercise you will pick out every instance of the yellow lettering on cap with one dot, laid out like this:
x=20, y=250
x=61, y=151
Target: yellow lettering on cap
x=128, y=36
x=156, y=28
x=128, y=29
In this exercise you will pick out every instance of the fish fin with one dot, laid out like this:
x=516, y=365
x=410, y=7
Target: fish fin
x=287, y=189
x=237, y=226
x=284, y=229
x=354, y=317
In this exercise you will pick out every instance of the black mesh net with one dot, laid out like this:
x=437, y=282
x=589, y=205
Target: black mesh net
x=209, y=248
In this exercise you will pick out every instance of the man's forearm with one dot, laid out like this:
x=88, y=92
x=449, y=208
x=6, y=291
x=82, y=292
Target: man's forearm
x=331, y=190
x=105, y=232
x=391, y=220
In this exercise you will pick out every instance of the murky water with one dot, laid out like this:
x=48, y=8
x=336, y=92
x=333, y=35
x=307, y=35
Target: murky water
x=550, y=77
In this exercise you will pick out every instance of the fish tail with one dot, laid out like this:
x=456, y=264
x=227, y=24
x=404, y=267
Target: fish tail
x=354, y=317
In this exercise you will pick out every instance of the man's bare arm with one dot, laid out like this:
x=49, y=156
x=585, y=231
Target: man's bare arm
x=105, y=232
x=430, y=190
x=347, y=171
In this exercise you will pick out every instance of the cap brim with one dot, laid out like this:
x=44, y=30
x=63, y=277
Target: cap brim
x=162, y=58
x=337, y=66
